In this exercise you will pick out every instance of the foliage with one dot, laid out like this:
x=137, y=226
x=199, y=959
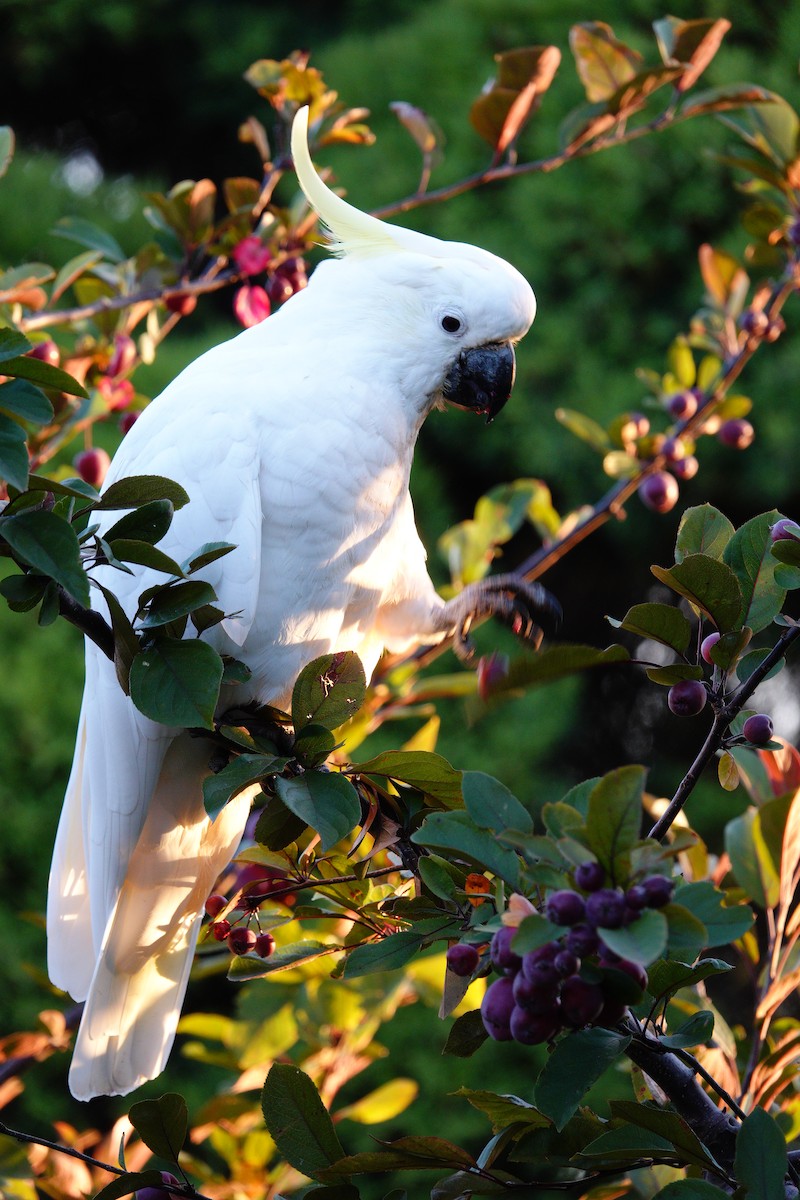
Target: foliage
x=365, y=866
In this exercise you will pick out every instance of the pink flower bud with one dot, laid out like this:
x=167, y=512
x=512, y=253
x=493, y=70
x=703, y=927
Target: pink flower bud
x=251, y=305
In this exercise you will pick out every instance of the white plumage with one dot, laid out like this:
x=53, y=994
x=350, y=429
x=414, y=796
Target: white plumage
x=294, y=441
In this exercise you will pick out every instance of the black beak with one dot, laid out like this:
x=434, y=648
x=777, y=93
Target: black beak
x=481, y=379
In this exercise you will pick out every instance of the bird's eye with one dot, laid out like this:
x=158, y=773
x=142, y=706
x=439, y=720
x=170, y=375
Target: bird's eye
x=451, y=324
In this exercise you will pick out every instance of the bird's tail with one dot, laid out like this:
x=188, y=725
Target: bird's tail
x=138, y=985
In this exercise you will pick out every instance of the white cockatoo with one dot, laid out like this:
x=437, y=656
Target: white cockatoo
x=294, y=441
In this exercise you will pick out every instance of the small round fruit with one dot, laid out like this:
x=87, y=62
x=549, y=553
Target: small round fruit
x=674, y=450
x=265, y=944
x=504, y=960
x=127, y=422
x=737, y=433
x=659, y=890
x=589, y=876
x=634, y=970
x=582, y=940
x=636, y=896
x=47, y=352
x=241, y=940
x=685, y=468
x=220, y=930
x=462, y=959
x=785, y=531
x=538, y=998
x=159, y=1193
x=707, y=645
x=682, y=405
x=564, y=907
x=496, y=1009
x=687, y=698
x=754, y=321
x=541, y=972
x=92, y=465
x=492, y=669
x=606, y=909
x=181, y=303
x=215, y=904
x=581, y=1002
x=531, y=1029
x=567, y=963
x=659, y=492
x=758, y=729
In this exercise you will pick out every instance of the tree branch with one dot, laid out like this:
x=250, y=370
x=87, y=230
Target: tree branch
x=90, y=623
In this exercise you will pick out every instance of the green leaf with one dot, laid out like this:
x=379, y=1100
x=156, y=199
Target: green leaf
x=691, y=1189
x=643, y=941
x=492, y=806
x=144, y=555
x=384, y=1103
x=753, y=659
x=457, y=831
x=21, y=399
x=761, y=1160
x=614, y=819
x=6, y=148
x=298, y=1121
x=666, y=676
x=660, y=622
x=130, y=1182
x=584, y=428
x=294, y=955
x=404, y=1154
x=435, y=874
x=147, y=523
x=386, y=955
x=136, y=490
x=625, y=1145
x=665, y=1124
x=694, y=1032
x=14, y=459
x=748, y=553
x=755, y=869
x=12, y=342
x=73, y=270
x=76, y=229
x=22, y=592
x=668, y=976
x=245, y=769
x=534, y=931
x=503, y=1111
x=207, y=553
x=724, y=923
x=467, y=1034
x=687, y=933
x=604, y=63
x=329, y=690
x=703, y=530
x=421, y=769
x=709, y=585
x=577, y=1062
x=177, y=683
x=327, y=801
x=162, y=1124
x=50, y=545
x=278, y=827
x=557, y=661
x=42, y=373
x=175, y=600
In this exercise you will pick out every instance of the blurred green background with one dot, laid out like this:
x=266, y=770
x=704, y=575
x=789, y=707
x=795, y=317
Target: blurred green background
x=110, y=100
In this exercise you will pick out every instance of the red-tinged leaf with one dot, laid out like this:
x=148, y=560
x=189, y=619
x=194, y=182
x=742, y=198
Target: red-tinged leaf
x=489, y=113
x=404, y=1154
x=202, y=200
x=604, y=63
x=722, y=275
x=782, y=767
x=690, y=43
x=240, y=193
x=724, y=98
x=528, y=97
x=73, y=270
x=780, y=990
x=790, y=855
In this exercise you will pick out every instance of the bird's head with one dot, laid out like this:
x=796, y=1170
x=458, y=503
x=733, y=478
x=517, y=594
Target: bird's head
x=463, y=308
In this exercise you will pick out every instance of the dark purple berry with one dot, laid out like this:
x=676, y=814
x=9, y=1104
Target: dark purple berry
x=685, y=468
x=542, y=972
x=564, y=907
x=265, y=944
x=636, y=896
x=674, y=449
x=590, y=876
x=659, y=492
x=581, y=1002
x=758, y=729
x=545, y=953
x=535, y=997
x=635, y=970
x=582, y=940
x=687, y=698
x=496, y=1009
x=566, y=963
x=682, y=405
x=606, y=909
x=659, y=890
x=159, y=1193
x=462, y=959
x=785, y=531
x=754, y=321
x=531, y=1029
x=737, y=433
x=613, y=1010
x=241, y=940
x=504, y=960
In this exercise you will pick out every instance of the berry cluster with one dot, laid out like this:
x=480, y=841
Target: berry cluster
x=568, y=982
x=256, y=886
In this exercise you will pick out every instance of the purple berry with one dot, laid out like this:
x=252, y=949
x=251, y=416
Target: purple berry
x=785, y=531
x=531, y=1029
x=504, y=959
x=758, y=729
x=606, y=909
x=685, y=468
x=582, y=940
x=543, y=972
x=496, y=1009
x=737, y=433
x=707, y=645
x=635, y=970
x=462, y=959
x=636, y=896
x=687, y=698
x=674, y=449
x=659, y=890
x=682, y=405
x=581, y=1002
x=567, y=963
x=590, y=876
x=537, y=998
x=659, y=492
x=564, y=907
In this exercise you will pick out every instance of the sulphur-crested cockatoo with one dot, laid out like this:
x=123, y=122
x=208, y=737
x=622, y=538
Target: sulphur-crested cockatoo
x=294, y=441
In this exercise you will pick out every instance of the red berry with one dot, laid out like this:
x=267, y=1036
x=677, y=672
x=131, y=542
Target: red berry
x=215, y=904
x=785, y=531
x=181, y=303
x=127, y=422
x=758, y=729
x=682, y=405
x=251, y=255
x=92, y=465
x=687, y=698
x=265, y=944
x=251, y=305
x=220, y=930
x=241, y=940
x=47, y=352
x=659, y=492
x=736, y=433
x=491, y=671
x=707, y=645
x=462, y=959
x=123, y=356
x=496, y=1009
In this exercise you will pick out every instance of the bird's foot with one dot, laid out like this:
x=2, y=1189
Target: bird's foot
x=509, y=598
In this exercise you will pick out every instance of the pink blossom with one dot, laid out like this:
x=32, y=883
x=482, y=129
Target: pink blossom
x=251, y=255
x=251, y=305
